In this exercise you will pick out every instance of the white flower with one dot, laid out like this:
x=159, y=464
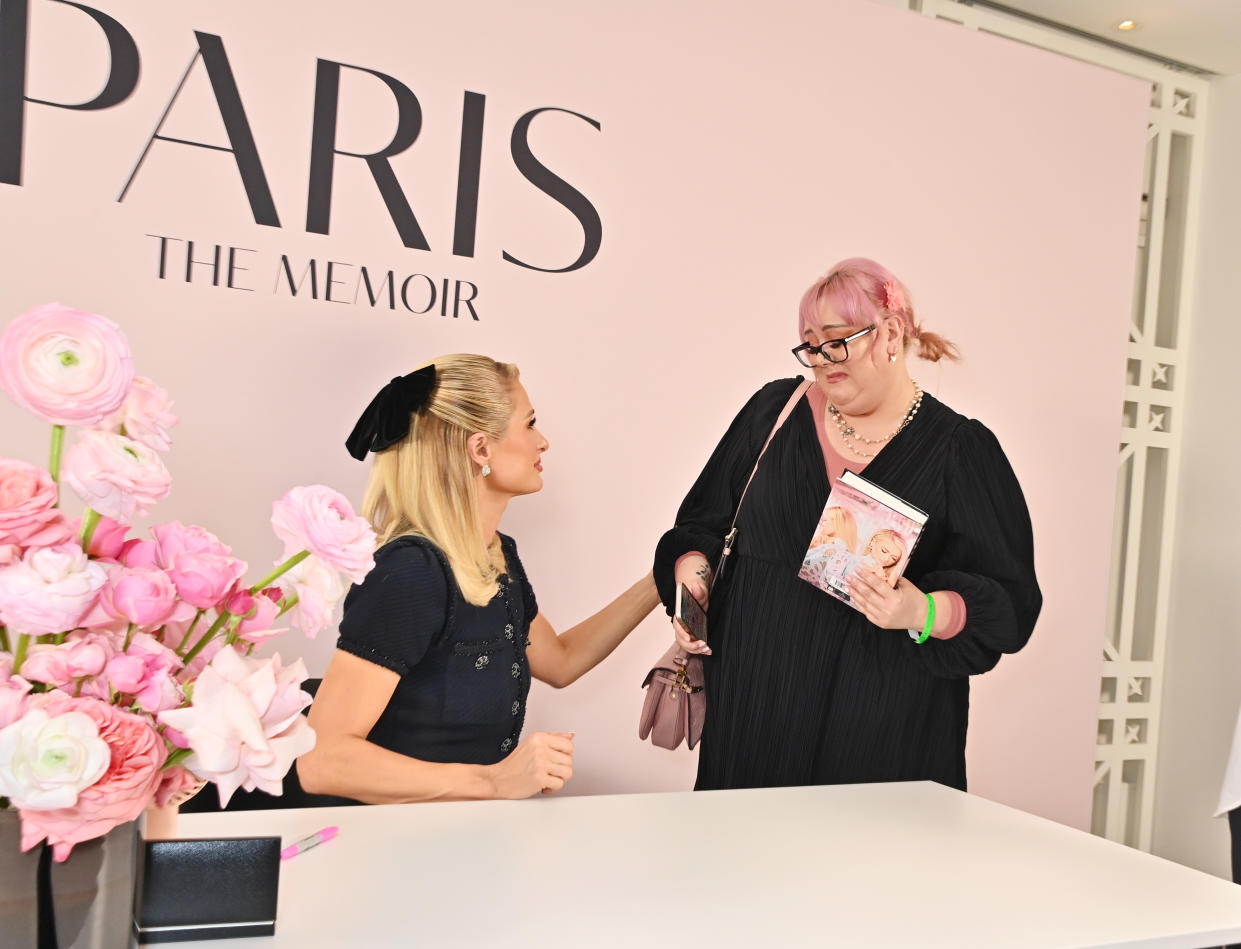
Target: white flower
x=318, y=588
x=245, y=725
x=46, y=761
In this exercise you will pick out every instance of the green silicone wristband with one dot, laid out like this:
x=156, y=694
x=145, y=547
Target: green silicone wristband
x=930, y=620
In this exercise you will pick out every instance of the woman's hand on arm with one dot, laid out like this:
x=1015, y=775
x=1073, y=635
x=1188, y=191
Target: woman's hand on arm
x=352, y=696
x=561, y=659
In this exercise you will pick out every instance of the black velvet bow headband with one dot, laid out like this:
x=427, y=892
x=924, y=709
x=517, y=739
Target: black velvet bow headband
x=386, y=420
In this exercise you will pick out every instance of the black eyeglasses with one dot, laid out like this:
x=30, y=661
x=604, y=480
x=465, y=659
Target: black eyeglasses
x=833, y=350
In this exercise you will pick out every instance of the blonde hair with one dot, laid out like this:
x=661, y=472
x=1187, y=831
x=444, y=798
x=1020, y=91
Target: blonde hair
x=899, y=542
x=425, y=483
x=840, y=524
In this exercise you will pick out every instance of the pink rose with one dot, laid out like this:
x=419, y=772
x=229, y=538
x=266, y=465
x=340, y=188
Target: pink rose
x=147, y=671
x=115, y=475
x=317, y=589
x=245, y=724
x=28, y=513
x=64, y=365
x=145, y=417
x=49, y=590
x=119, y=796
x=143, y=596
x=320, y=520
x=108, y=540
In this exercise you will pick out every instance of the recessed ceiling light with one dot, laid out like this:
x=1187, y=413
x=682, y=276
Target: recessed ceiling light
x=1126, y=25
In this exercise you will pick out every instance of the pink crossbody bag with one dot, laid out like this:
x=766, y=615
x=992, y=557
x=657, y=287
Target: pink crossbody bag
x=676, y=704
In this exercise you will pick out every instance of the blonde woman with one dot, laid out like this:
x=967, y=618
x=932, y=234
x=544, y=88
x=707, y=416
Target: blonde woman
x=426, y=694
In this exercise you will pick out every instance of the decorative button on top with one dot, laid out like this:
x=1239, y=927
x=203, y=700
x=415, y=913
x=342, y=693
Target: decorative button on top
x=481, y=662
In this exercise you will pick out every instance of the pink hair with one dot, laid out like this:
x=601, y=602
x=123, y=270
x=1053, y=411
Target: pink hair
x=861, y=292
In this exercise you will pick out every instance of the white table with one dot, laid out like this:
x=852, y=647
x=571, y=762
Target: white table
x=857, y=865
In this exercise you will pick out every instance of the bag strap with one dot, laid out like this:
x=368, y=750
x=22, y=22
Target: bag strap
x=731, y=537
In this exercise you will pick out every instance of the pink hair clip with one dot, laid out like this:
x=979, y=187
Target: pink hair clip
x=893, y=297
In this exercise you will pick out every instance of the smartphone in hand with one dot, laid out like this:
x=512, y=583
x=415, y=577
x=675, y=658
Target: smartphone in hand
x=690, y=614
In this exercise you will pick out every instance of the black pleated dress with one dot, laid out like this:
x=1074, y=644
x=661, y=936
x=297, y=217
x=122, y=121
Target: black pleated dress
x=802, y=689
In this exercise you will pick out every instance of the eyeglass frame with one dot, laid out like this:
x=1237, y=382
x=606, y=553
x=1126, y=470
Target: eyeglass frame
x=843, y=343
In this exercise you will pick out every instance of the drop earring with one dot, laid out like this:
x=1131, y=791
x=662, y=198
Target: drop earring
x=486, y=470
x=891, y=357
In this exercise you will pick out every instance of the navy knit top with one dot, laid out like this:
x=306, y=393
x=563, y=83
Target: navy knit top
x=464, y=675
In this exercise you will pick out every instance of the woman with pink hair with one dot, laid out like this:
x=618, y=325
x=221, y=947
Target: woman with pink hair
x=801, y=688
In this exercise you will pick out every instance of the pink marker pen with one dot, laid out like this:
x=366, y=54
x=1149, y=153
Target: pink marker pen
x=319, y=837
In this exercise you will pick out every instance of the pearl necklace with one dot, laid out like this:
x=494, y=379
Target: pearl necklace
x=848, y=432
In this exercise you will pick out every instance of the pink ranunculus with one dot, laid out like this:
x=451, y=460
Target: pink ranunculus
x=119, y=796
x=147, y=671
x=318, y=589
x=49, y=590
x=258, y=612
x=146, y=415
x=175, y=781
x=108, y=539
x=116, y=476
x=200, y=662
x=66, y=366
x=245, y=724
x=203, y=580
x=143, y=596
x=82, y=656
x=320, y=520
x=175, y=538
x=48, y=664
x=139, y=553
x=28, y=513
x=13, y=692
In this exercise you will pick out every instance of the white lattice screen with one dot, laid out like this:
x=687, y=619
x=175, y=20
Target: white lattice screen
x=1131, y=683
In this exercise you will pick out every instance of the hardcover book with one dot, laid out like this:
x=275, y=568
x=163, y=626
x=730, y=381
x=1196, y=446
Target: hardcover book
x=862, y=524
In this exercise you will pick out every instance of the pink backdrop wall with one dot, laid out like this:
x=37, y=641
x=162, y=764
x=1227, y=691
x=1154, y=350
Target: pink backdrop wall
x=740, y=151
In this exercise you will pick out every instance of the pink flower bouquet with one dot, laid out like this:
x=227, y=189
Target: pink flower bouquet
x=126, y=673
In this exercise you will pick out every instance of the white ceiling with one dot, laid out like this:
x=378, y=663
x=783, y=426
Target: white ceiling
x=1201, y=33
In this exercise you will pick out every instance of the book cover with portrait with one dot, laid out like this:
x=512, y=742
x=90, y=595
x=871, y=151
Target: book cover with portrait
x=862, y=524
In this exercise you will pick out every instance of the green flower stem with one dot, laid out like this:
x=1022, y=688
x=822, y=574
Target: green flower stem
x=90, y=520
x=53, y=465
x=58, y=639
x=207, y=637
x=190, y=632
x=287, y=604
x=129, y=635
x=280, y=571
x=176, y=757
x=4, y=640
x=23, y=643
